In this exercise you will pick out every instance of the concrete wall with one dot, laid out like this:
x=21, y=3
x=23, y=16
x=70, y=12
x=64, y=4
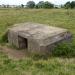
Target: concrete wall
x=33, y=46
x=13, y=38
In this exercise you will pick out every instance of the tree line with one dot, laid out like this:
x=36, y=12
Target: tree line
x=70, y=5
x=41, y=4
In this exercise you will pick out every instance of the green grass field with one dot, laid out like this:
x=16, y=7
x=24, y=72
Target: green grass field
x=39, y=65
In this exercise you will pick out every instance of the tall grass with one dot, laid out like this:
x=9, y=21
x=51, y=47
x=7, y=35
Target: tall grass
x=39, y=65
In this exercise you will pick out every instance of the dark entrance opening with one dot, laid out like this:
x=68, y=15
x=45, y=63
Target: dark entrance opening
x=23, y=42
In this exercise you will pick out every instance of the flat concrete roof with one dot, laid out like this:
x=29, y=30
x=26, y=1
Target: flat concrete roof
x=37, y=31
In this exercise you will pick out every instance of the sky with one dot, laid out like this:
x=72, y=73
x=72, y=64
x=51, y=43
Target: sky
x=19, y=2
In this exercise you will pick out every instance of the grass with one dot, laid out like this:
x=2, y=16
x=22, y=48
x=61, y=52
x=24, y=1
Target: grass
x=29, y=66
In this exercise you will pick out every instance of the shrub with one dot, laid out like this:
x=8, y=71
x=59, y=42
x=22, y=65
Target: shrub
x=64, y=49
x=4, y=38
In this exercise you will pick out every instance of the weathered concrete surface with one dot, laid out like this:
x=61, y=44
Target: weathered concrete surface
x=36, y=37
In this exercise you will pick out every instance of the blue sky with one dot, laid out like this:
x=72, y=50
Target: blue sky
x=18, y=2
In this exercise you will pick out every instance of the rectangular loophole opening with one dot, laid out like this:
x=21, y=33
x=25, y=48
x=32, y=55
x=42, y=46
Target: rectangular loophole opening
x=23, y=42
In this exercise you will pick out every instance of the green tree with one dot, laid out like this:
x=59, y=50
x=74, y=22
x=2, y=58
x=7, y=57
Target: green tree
x=36, y=6
x=67, y=5
x=30, y=4
x=40, y=4
x=48, y=5
x=73, y=4
x=22, y=6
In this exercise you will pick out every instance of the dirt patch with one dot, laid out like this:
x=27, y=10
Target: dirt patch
x=13, y=53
